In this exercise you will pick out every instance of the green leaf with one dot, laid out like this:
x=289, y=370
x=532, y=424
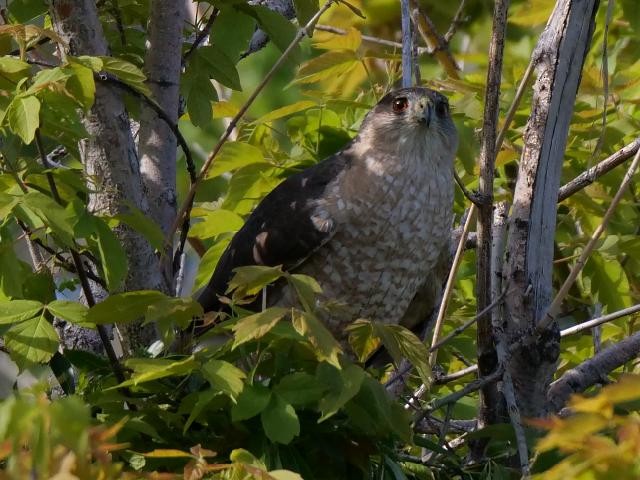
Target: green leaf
x=403, y=343
x=143, y=225
x=73, y=312
x=375, y=413
x=124, y=307
x=286, y=111
x=343, y=385
x=253, y=400
x=233, y=31
x=306, y=287
x=32, y=341
x=113, y=258
x=300, y=389
x=199, y=109
x=93, y=63
x=305, y=10
x=250, y=280
x=12, y=272
x=225, y=377
x=202, y=401
x=235, y=155
x=178, y=311
x=23, y=116
x=126, y=72
x=82, y=84
x=326, y=347
x=148, y=369
x=284, y=475
x=362, y=339
x=18, y=311
x=257, y=325
x=59, y=220
x=209, y=261
x=216, y=222
x=12, y=70
x=331, y=64
x=218, y=65
x=280, y=30
x=280, y=422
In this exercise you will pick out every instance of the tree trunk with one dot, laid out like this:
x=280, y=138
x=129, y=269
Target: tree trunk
x=109, y=157
x=559, y=58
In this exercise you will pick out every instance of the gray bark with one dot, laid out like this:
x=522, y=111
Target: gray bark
x=109, y=156
x=157, y=145
x=559, y=58
x=592, y=371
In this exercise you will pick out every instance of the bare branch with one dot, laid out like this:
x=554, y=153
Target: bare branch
x=458, y=19
x=554, y=308
x=600, y=320
x=434, y=41
x=369, y=39
x=591, y=175
x=489, y=395
x=407, y=50
x=451, y=377
x=590, y=372
x=448, y=290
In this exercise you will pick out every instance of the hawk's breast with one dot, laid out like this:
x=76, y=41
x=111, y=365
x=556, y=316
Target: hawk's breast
x=394, y=224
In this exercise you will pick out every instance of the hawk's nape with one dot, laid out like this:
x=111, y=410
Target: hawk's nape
x=370, y=223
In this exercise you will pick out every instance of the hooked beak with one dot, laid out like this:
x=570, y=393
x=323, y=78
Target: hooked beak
x=424, y=117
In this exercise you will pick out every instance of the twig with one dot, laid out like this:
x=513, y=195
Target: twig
x=515, y=104
x=554, y=308
x=468, y=323
x=591, y=175
x=82, y=275
x=449, y=288
x=202, y=34
x=463, y=392
x=373, y=40
x=433, y=40
x=590, y=372
x=440, y=380
x=516, y=421
x=455, y=23
x=183, y=213
x=600, y=320
x=407, y=50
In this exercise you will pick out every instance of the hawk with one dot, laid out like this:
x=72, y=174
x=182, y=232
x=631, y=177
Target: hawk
x=370, y=223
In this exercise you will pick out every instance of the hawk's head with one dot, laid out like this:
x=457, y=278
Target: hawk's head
x=411, y=119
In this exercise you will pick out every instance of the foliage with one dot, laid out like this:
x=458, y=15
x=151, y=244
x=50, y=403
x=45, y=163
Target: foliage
x=273, y=393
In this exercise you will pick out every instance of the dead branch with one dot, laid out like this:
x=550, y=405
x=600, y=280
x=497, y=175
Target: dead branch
x=599, y=320
x=590, y=372
x=589, y=176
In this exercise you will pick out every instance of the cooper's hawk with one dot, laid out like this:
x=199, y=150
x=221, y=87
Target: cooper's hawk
x=369, y=223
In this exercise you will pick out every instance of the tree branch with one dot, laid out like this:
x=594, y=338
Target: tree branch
x=489, y=397
x=591, y=175
x=599, y=320
x=590, y=372
x=434, y=41
x=369, y=39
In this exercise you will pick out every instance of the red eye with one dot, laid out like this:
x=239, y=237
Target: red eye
x=400, y=104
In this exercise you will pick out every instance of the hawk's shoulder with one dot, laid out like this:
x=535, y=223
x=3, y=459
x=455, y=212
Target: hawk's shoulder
x=284, y=229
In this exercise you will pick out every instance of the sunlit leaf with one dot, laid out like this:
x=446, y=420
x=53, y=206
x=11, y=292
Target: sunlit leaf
x=257, y=325
x=224, y=376
x=23, y=116
x=19, y=311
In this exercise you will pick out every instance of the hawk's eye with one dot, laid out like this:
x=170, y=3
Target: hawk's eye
x=442, y=108
x=400, y=104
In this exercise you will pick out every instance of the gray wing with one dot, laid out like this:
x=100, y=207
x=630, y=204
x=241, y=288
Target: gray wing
x=281, y=230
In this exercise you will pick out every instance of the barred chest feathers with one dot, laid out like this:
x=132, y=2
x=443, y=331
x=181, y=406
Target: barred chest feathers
x=394, y=219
